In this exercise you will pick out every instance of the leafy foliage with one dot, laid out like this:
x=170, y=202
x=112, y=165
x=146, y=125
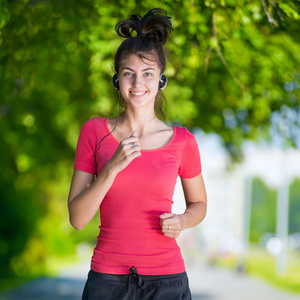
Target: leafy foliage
x=263, y=211
x=294, y=207
x=232, y=66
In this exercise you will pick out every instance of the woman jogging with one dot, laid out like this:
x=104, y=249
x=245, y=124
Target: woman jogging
x=136, y=159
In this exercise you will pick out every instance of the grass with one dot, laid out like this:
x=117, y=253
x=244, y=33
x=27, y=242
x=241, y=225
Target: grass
x=262, y=265
x=9, y=283
x=53, y=266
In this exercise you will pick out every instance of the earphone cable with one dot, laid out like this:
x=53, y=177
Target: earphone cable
x=119, y=111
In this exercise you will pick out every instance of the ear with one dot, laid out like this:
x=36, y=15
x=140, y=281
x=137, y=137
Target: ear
x=115, y=81
x=163, y=80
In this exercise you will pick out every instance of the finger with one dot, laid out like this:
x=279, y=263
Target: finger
x=171, y=232
x=133, y=134
x=129, y=145
x=164, y=219
x=170, y=226
x=131, y=142
x=134, y=149
x=166, y=216
x=172, y=236
x=164, y=223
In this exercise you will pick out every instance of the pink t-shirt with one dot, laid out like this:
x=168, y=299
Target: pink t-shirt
x=130, y=232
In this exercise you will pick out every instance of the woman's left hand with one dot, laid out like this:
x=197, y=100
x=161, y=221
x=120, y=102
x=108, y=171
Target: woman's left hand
x=171, y=225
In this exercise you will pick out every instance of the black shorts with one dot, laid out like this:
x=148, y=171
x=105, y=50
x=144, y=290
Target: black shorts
x=134, y=286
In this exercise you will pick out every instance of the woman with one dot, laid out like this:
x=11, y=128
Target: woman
x=137, y=159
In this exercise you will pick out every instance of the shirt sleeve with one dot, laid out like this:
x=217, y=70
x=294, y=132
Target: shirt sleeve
x=190, y=165
x=84, y=158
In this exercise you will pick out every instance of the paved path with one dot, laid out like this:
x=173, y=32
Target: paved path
x=211, y=283
x=207, y=283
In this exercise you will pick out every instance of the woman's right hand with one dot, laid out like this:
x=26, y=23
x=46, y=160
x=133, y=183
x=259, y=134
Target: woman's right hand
x=126, y=152
x=86, y=195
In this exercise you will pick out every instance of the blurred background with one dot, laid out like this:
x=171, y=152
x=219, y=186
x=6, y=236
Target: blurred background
x=234, y=81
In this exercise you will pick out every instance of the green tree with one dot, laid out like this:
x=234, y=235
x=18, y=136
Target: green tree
x=232, y=66
x=294, y=207
x=263, y=210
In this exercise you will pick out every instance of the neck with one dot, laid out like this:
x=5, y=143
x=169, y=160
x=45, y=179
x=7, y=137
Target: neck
x=138, y=122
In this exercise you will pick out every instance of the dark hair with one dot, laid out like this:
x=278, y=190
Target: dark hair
x=151, y=33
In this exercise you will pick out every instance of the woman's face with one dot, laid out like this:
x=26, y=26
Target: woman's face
x=139, y=81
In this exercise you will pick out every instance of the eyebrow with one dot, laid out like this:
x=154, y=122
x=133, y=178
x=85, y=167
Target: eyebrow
x=127, y=68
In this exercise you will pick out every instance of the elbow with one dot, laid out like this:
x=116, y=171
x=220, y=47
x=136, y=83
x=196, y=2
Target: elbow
x=77, y=225
x=75, y=220
x=204, y=209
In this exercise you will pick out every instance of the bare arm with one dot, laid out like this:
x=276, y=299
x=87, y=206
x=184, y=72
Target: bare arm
x=86, y=194
x=196, y=202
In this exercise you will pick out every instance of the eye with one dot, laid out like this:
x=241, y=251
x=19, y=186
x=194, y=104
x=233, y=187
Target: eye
x=128, y=74
x=148, y=74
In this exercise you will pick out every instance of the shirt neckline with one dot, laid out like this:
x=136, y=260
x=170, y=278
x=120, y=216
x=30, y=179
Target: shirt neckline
x=142, y=150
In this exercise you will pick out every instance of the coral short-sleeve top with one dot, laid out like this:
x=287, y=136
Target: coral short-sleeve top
x=130, y=232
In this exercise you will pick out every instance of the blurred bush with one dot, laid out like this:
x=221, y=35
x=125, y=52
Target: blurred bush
x=264, y=207
x=294, y=207
x=263, y=211
x=231, y=66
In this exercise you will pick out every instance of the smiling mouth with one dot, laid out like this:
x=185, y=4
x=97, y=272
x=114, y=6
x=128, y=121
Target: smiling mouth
x=138, y=93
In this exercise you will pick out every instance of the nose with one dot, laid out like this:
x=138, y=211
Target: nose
x=138, y=81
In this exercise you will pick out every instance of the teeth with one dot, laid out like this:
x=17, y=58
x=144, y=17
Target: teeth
x=137, y=94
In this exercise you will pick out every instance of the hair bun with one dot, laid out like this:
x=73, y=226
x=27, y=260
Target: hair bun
x=154, y=25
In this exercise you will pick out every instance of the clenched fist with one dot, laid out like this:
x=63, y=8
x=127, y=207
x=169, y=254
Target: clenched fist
x=171, y=224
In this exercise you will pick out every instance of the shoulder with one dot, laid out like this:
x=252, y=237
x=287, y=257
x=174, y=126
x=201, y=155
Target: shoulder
x=97, y=121
x=183, y=133
x=93, y=128
x=93, y=123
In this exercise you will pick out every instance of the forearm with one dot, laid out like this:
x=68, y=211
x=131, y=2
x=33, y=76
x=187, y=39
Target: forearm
x=193, y=215
x=85, y=197
x=84, y=206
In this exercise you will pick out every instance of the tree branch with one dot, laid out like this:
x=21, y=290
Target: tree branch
x=207, y=60
x=270, y=17
x=221, y=55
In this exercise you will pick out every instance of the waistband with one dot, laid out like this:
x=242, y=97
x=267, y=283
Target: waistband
x=134, y=277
